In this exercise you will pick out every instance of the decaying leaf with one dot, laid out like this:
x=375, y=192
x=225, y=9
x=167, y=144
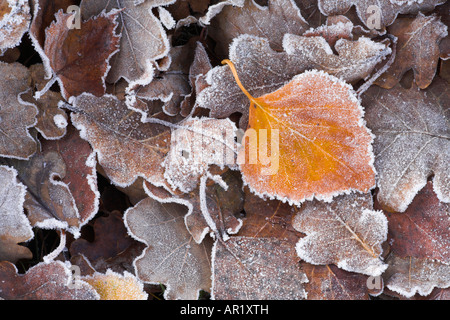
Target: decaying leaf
x=79, y=58
x=417, y=49
x=423, y=230
x=16, y=116
x=271, y=22
x=126, y=147
x=377, y=13
x=263, y=70
x=112, y=247
x=15, y=19
x=411, y=275
x=114, y=286
x=331, y=283
x=143, y=38
x=197, y=144
x=51, y=119
x=249, y=269
x=412, y=141
x=172, y=257
x=223, y=205
x=346, y=232
x=14, y=225
x=44, y=281
x=172, y=85
x=319, y=146
x=48, y=201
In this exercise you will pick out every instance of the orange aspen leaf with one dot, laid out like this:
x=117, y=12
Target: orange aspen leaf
x=307, y=139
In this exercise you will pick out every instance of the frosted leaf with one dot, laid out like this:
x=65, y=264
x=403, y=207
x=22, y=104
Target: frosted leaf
x=256, y=269
x=172, y=257
x=369, y=9
x=417, y=49
x=171, y=85
x=345, y=232
x=126, y=147
x=197, y=145
x=79, y=58
x=223, y=205
x=423, y=230
x=166, y=18
x=410, y=275
x=15, y=19
x=215, y=9
x=112, y=247
x=14, y=225
x=271, y=22
x=16, y=116
x=51, y=119
x=48, y=201
x=143, y=38
x=263, y=70
x=331, y=283
x=44, y=281
x=412, y=141
x=115, y=286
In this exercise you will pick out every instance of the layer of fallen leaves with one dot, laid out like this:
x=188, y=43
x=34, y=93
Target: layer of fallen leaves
x=312, y=163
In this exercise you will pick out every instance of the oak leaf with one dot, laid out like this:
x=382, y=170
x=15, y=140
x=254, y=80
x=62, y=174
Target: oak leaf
x=249, y=268
x=223, y=206
x=112, y=247
x=411, y=275
x=415, y=34
x=423, y=230
x=319, y=146
x=14, y=225
x=346, y=232
x=15, y=20
x=126, y=147
x=52, y=121
x=412, y=141
x=271, y=22
x=16, y=116
x=79, y=58
x=143, y=41
x=384, y=10
x=44, y=281
x=263, y=70
x=172, y=257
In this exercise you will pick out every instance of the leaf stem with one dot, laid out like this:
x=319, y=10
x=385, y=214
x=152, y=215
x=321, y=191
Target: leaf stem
x=238, y=82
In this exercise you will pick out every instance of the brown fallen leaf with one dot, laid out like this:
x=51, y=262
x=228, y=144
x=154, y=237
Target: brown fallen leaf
x=271, y=22
x=197, y=144
x=14, y=225
x=383, y=11
x=263, y=70
x=331, y=283
x=51, y=119
x=423, y=230
x=246, y=268
x=79, y=58
x=414, y=35
x=143, y=38
x=15, y=20
x=112, y=247
x=172, y=257
x=409, y=276
x=126, y=147
x=223, y=206
x=346, y=232
x=16, y=116
x=115, y=286
x=412, y=141
x=44, y=281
